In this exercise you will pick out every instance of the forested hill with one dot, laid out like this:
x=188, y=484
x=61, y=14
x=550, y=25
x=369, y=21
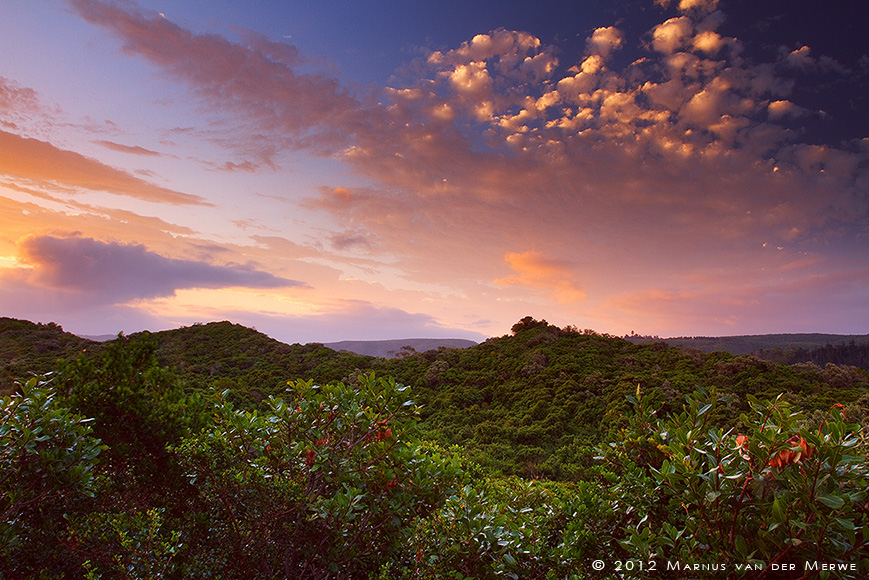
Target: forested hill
x=26, y=347
x=527, y=403
x=849, y=349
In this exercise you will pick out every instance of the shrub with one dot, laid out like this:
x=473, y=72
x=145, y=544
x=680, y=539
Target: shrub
x=773, y=492
x=47, y=461
x=324, y=485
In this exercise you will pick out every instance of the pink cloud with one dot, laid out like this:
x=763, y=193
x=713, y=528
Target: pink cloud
x=256, y=80
x=15, y=102
x=133, y=149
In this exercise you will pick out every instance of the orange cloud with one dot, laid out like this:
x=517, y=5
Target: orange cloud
x=41, y=161
x=647, y=171
x=536, y=271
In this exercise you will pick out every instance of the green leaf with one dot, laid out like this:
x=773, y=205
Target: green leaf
x=832, y=501
x=847, y=524
x=778, y=511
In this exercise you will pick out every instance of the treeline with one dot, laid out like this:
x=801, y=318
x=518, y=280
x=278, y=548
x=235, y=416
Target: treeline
x=851, y=354
x=114, y=466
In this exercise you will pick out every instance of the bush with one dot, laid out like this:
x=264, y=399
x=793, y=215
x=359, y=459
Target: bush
x=772, y=492
x=47, y=462
x=325, y=485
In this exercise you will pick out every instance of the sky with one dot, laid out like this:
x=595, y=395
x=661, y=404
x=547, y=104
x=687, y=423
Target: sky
x=343, y=170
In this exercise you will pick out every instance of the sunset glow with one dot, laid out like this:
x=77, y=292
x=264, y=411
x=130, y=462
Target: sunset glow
x=338, y=171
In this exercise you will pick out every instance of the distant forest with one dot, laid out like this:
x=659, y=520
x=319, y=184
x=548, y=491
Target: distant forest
x=786, y=349
x=852, y=354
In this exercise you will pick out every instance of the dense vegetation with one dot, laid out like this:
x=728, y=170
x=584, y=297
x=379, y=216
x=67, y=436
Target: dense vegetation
x=27, y=348
x=199, y=452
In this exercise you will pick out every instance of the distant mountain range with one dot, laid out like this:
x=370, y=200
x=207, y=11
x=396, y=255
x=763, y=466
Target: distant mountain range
x=378, y=348
x=397, y=347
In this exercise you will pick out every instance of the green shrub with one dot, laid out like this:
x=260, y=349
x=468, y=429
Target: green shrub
x=324, y=485
x=47, y=462
x=774, y=492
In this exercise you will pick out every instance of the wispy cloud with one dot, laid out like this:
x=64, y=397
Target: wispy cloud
x=341, y=320
x=16, y=102
x=133, y=149
x=39, y=161
x=259, y=81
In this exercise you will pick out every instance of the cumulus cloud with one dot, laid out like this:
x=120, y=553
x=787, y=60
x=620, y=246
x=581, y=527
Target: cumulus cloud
x=801, y=59
x=672, y=35
x=687, y=5
x=784, y=108
x=112, y=273
x=605, y=40
x=709, y=42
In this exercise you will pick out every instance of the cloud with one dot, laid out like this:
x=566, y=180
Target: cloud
x=688, y=5
x=112, y=273
x=672, y=35
x=784, y=108
x=801, y=59
x=256, y=80
x=345, y=320
x=679, y=162
x=346, y=240
x=16, y=102
x=533, y=269
x=134, y=149
x=35, y=160
x=605, y=40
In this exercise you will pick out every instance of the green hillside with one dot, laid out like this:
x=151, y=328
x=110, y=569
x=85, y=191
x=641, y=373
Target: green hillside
x=27, y=348
x=227, y=355
x=528, y=403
